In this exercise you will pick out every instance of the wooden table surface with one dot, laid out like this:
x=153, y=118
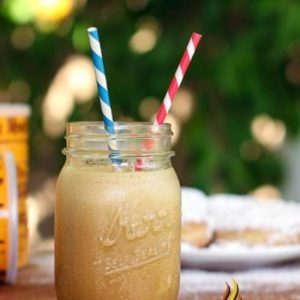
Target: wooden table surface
x=36, y=282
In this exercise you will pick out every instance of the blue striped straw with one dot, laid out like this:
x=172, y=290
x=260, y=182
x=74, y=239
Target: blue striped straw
x=101, y=80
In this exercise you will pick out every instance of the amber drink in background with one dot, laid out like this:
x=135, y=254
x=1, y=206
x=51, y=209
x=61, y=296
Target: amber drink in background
x=14, y=138
x=9, y=233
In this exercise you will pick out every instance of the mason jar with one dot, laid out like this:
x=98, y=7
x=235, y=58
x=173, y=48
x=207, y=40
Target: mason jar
x=117, y=219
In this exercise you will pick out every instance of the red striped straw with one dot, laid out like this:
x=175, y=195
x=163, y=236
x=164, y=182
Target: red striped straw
x=174, y=85
x=177, y=79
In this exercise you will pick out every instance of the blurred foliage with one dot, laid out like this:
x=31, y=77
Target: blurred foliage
x=248, y=64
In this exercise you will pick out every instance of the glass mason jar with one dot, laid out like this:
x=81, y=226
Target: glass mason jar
x=117, y=221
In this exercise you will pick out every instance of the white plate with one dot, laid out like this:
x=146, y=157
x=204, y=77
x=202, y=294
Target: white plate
x=236, y=257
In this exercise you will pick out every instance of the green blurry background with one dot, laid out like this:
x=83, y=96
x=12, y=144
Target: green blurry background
x=238, y=105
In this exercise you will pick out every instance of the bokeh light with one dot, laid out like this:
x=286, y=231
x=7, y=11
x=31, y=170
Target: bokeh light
x=52, y=10
x=19, y=91
x=46, y=14
x=183, y=105
x=58, y=103
x=80, y=39
x=22, y=37
x=57, y=106
x=148, y=107
x=40, y=37
x=79, y=78
x=268, y=132
x=74, y=82
x=54, y=128
x=145, y=38
x=19, y=11
x=175, y=126
x=267, y=192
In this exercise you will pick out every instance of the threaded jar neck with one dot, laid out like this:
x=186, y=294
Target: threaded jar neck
x=131, y=141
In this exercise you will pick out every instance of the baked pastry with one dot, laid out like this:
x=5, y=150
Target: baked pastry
x=242, y=219
x=196, y=234
x=196, y=229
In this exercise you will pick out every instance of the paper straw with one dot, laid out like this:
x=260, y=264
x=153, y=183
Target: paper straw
x=177, y=79
x=174, y=85
x=101, y=80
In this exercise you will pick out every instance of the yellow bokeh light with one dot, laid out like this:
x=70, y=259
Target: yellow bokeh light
x=146, y=36
x=268, y=132
x=52, y=10
x=143, y=40
x=267, y=192
x=183, y=105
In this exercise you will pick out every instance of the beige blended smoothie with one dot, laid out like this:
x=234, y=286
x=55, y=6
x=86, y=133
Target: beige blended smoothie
x=117, y=227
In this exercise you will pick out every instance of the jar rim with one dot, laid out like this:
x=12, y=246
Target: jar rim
x=119, y=125
x=131, y=139
x=92, y=128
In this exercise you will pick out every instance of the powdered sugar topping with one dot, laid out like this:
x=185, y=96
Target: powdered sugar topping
x=235, y=212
